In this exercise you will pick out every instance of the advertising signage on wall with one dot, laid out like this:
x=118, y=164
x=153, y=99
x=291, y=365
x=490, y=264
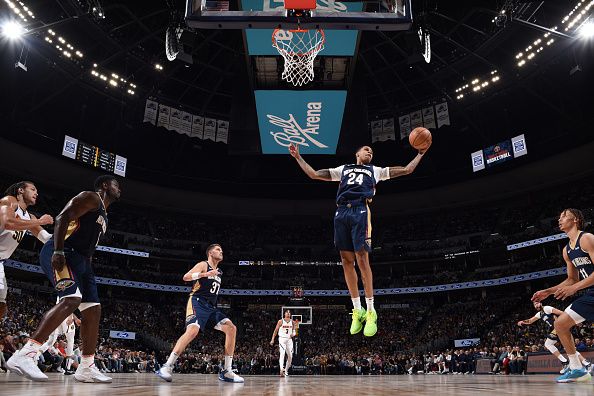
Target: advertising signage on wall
x=309, y=119
x=499, y=153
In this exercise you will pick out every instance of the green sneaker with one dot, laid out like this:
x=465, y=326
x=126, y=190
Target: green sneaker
x=358, y=319
x=370, y=324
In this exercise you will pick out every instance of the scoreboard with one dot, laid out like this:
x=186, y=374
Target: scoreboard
x=94, y=156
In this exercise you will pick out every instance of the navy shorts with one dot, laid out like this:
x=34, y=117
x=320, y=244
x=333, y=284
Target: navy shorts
x=352, y=227
x=76, y=279
x=583, y=307
x=203, y=314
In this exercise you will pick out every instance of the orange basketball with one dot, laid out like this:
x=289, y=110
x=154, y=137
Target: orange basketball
x=420, y=138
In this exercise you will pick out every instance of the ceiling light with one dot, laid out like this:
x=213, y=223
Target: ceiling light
x=13, y=30
x=586, y=31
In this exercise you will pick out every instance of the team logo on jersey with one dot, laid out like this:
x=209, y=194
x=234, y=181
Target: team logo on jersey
x=63, y=284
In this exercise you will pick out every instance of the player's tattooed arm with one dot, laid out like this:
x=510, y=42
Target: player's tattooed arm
x=322, y=174
x=397, y=171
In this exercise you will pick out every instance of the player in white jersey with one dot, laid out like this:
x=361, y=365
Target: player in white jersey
x=17, y=221
x=67, y=328
x=285, y=328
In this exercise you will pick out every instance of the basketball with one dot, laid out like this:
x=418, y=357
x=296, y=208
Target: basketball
x=420, y=138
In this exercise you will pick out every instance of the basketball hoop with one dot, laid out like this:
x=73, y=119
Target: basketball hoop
x=299, y=49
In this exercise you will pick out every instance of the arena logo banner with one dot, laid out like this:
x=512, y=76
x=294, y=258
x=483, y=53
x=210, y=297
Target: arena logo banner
x=123, y=335
x=466, y=342
x=338, y=42
x=309, y=119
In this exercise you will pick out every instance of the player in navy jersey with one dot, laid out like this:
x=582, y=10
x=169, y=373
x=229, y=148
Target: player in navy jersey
x=578, y=257
x=548, y=315
x=352, y=222
x=66, y=261
x=202, y=311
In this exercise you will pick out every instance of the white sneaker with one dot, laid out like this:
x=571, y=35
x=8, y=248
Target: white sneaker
x=25, y=365
x=60, y=370
x=165, y=373
x=229, y=376
x=286, y=372
x=90, y=374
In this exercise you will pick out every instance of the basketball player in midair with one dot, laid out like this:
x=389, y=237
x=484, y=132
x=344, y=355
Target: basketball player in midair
x=285, y=328
x=578, y=257
x=17, y=221
x=202, y=311
x=66, y=261
x=352, y=222
x=548, y=315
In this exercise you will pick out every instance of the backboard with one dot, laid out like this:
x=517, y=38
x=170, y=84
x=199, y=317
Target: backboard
x=271, y=14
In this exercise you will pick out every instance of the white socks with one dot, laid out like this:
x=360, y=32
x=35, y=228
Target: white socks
x=31, y=348
x=172, y=358
x=369, y=303
x=574, y=362
x=562, y=358
x=87, y=361
x=356, y=302
x=228, y=363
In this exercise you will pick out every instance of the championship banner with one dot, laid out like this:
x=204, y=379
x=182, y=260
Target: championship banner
x=405, y=128
x=466, y=342
x=416, y=119
x=150, y=112
x=376, y=130
x=309, y=119
x=186, y=123
x=388, y=132
x=175, y=120
x=519, y=146
x=443, y=115
x=338, y=42
x=198, y=127
x=429, y=117
x=222, y=131
x=210, y=129
x=122, y=335
x=164, y=113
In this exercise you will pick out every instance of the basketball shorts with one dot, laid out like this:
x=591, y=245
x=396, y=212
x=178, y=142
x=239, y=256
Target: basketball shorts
x=582, y=308
x=76, y=279
x=3, y=284
x=352, y=227
x=203, y=314
x=285, y=345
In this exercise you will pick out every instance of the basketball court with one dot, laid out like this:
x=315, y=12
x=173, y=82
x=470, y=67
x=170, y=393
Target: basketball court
x=148, y=384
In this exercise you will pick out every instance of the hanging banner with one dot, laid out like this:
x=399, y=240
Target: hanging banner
x=478, y=161
x=429, y=117
x=376, y=130
x=519, y=146
x=416, y=119
x=388, y=131
x=175, y=120
x=150, y=111
x=210, y=129
x=442, y=114
x=222, y=131
x=405, y=129
x=164, y=113
x=186, y=123
x=198, y=127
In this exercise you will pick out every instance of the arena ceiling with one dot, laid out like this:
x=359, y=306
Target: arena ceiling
x=548, y=98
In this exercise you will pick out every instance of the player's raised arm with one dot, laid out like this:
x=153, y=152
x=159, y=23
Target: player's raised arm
x=572, y=277
x=13, y=223
x=529, y=321
x=199, y=271
x=39, y=232
x=397, y=171
x=278, y=325
x=322, y=174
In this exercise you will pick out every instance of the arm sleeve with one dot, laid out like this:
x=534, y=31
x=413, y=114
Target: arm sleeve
x=381, y=173
x=547, y=309
x=336, y=173
x=537, y=316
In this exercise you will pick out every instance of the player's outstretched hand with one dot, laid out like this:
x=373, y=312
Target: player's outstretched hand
x=294, y=150
x=272, y=342
x=46, y=219
x=423, y=151
x=520, y=323
x=540, y=295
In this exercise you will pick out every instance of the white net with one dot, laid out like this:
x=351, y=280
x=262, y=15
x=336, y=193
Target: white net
x=298, y=48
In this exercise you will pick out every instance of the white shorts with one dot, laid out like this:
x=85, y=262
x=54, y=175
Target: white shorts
x=285, y=344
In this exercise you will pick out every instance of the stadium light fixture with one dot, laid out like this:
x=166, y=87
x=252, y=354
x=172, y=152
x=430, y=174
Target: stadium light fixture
x=586, y=31
x=13, y=30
